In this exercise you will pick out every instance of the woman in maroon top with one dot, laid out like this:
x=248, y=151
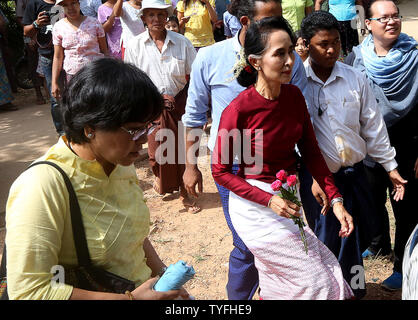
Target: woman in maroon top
x=260, y=128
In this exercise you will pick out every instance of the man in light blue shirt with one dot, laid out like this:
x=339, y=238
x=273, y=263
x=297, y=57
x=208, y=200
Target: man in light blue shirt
x=210, y=81
x=231, y=25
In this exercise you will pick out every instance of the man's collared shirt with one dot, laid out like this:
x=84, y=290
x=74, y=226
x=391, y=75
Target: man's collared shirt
x=168, y=68
x=211, y=79
x=231, y=24
x=346, y=119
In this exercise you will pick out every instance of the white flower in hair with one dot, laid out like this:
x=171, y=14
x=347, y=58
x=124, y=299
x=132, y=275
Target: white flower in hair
x=240, y=64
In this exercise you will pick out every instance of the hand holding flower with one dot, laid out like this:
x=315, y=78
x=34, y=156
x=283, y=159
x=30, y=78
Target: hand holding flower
x=283, y=207
x=287, y=204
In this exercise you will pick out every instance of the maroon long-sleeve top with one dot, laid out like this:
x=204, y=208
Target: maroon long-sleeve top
x=284, y=122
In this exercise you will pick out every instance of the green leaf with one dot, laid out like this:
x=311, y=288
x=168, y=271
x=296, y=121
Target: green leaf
x=286, y=194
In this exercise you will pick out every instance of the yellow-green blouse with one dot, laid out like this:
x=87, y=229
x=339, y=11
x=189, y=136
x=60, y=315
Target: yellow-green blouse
x=39, y=234
x=294, y=11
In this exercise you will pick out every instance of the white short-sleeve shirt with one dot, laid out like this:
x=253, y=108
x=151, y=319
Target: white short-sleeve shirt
x=168, y=68
x=132, y=24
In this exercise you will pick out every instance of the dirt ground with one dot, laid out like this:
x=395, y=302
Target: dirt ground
x=201, y=239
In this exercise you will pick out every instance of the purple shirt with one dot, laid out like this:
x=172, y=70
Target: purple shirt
x=113, y=36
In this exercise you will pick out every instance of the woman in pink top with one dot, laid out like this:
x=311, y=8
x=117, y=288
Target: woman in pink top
x=267, y=120
x=106, y=15
x=77, y=40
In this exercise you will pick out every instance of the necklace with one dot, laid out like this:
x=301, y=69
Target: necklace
x=262, y=93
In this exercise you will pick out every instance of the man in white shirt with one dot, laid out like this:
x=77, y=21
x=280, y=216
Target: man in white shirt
x=167, y=58
x=348, y=125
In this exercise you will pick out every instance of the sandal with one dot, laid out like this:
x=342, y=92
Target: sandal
x=192, y=208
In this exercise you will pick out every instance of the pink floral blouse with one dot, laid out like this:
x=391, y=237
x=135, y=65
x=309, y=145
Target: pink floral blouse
x=80, y=45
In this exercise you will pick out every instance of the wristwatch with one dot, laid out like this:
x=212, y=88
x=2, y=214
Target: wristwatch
x=36, y=25
x=335, y=200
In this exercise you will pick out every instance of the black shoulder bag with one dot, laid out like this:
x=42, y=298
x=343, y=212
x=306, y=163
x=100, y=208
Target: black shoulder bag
x=85, y=275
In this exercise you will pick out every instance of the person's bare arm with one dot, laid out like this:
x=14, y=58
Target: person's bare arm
x=192, y=175
x=108, y=24
x=182, y=20
x=103, y=46
x=318, y=4
x=42, y=20
x=153, y=260
x=56, y=70
x=212, y=13
x=117, y=8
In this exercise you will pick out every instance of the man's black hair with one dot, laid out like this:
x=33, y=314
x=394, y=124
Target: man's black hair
x=173, y=18
x=369, y=5
x=105, y=94
x=317, y=21
x=240, y=8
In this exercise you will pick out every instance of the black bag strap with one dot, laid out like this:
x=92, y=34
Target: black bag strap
x=79, y=234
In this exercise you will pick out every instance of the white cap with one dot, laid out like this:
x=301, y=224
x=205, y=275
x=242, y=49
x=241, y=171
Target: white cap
x=156, y=4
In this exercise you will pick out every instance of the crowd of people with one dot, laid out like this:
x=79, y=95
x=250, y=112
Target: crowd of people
x=290, y=84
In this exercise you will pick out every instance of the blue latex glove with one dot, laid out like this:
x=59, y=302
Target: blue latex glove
x=174, y=277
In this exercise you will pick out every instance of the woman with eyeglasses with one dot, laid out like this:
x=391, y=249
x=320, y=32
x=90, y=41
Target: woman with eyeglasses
x=107, y=111
x=389, y=60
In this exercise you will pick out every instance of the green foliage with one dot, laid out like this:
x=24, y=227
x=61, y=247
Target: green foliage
x=14, y=30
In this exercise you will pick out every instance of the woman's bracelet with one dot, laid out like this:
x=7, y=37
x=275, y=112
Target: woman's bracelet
x=129, y=294
x=335, y=200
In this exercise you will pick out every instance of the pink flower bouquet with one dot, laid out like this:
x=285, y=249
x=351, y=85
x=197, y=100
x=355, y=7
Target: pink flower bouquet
x=290, y=194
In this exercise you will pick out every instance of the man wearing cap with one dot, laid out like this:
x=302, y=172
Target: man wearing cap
x=167, y=58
